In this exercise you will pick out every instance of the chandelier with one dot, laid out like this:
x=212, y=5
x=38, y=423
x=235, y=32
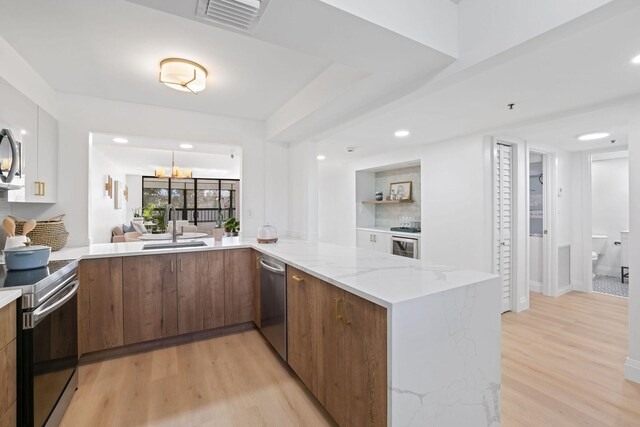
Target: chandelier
x=176, y=172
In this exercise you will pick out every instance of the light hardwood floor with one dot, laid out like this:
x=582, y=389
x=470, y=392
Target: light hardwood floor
x=562, y=364
x=234, y=380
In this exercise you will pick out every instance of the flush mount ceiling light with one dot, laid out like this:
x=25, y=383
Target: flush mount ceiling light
x=636, y=60
x=183, y=75
x=120, y=140
x=186, y=146
x=593, y=136
x=403, y=133
x=320, y=157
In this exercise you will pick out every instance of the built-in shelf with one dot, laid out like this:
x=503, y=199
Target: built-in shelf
x=385, y=202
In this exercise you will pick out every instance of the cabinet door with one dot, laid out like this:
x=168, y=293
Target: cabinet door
x=256, y=288
x=150, y=299
x=238, y=284
x=382, y=242
x=200, y=291
x=332, y=358
x=303, y=328
x=47, y=176
x=364, y=239
x=365, y=353
x=100, y=324
x=8, y=381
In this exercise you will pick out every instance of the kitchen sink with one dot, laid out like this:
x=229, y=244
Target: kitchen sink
x=172, y=245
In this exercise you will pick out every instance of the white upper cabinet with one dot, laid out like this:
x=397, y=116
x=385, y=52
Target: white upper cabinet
x=46, y=183
x=37, y=132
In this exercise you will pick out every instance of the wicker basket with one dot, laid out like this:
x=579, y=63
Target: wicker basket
x=48, y=233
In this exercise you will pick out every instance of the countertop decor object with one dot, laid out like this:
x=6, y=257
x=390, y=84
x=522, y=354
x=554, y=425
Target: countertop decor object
x=379, y=196
x=267, y=234
x=16, y=242
x=51, y=232
x=231, y=227
x=27, y=257
x=9, y=226
x=400, y=191
x=28, y=227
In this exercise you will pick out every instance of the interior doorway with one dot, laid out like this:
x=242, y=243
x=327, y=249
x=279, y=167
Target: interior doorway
x=537, y=218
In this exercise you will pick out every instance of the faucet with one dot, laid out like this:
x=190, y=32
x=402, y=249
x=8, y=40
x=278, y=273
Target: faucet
x=174, y=230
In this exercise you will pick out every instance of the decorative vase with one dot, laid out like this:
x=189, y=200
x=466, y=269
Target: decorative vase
x=379, y=196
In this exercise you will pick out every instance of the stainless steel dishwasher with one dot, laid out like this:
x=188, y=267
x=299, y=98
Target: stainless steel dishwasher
x=273, y=303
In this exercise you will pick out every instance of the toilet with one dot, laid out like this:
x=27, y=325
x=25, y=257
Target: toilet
x=598, y=247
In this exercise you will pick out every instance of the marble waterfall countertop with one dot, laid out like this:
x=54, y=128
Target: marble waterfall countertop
x=7, y=296
x=378, y=277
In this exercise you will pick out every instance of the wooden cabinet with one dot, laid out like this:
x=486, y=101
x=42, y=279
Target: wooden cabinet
x=150, y=297
x=8, y=365
x=338, y=347
x=200, y=291
x=100, y=309
x=256, y=287
x=238, y=285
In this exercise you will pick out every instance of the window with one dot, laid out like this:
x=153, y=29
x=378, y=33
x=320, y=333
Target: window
x=196, y=200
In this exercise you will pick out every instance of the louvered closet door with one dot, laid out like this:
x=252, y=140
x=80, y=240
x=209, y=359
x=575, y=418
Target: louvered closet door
x=503, y=205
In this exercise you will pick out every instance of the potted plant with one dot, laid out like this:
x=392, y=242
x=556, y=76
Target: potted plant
x=231, y=227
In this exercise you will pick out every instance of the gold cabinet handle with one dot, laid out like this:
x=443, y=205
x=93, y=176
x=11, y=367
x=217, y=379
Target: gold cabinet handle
x=173, y=268
x=257, y=263
x=349, y=310
x=43, y=188
x=38, y=188
x=181, y=265
x=297, y=278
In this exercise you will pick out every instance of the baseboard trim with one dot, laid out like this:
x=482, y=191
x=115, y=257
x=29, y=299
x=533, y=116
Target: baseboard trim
x=142, y=347
x=535, y=286
x=564, y=290
x=632, y=370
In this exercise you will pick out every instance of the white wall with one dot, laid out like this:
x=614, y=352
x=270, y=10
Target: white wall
x=276, y=160
x=632, y=366
x=134, y=182
x=303, y=190
x=610, y=208
x=452, y=192
x=79, y=116
x=103, y=215
x=431, y=22
x=488, y=27
x=15, y=70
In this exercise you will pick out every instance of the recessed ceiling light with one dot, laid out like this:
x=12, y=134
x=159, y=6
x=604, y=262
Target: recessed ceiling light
x=320, y=157
x=120, y=140
x=402, y=133
x=186, y=146
x=593, y=136
x=636, y=60
x=24, y=132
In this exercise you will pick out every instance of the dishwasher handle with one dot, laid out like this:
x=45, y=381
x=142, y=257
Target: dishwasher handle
x=273, y=268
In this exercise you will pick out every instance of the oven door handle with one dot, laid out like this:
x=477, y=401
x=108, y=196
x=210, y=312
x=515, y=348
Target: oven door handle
x=49, y=307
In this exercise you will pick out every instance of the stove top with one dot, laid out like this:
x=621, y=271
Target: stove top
x=39, y=283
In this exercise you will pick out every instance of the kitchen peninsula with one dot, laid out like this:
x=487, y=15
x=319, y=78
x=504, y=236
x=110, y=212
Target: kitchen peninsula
x=419, y=342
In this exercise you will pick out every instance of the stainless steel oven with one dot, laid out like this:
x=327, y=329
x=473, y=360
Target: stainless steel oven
x=404, y=246
x=47, y=341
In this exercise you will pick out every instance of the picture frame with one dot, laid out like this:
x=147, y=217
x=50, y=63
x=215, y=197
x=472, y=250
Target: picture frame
x=401, y=191
x=117, y=190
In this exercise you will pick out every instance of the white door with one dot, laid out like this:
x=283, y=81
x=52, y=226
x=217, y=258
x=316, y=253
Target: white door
x=503, y=211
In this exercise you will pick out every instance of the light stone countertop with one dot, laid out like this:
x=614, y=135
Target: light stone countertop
x=9, y=295
x=388, y=231
x=382, y=278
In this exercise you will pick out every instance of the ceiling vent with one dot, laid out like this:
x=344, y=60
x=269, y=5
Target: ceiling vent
x=242, y=15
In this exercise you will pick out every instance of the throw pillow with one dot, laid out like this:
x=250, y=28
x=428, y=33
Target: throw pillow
x=140, y=228
x=128, y=228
